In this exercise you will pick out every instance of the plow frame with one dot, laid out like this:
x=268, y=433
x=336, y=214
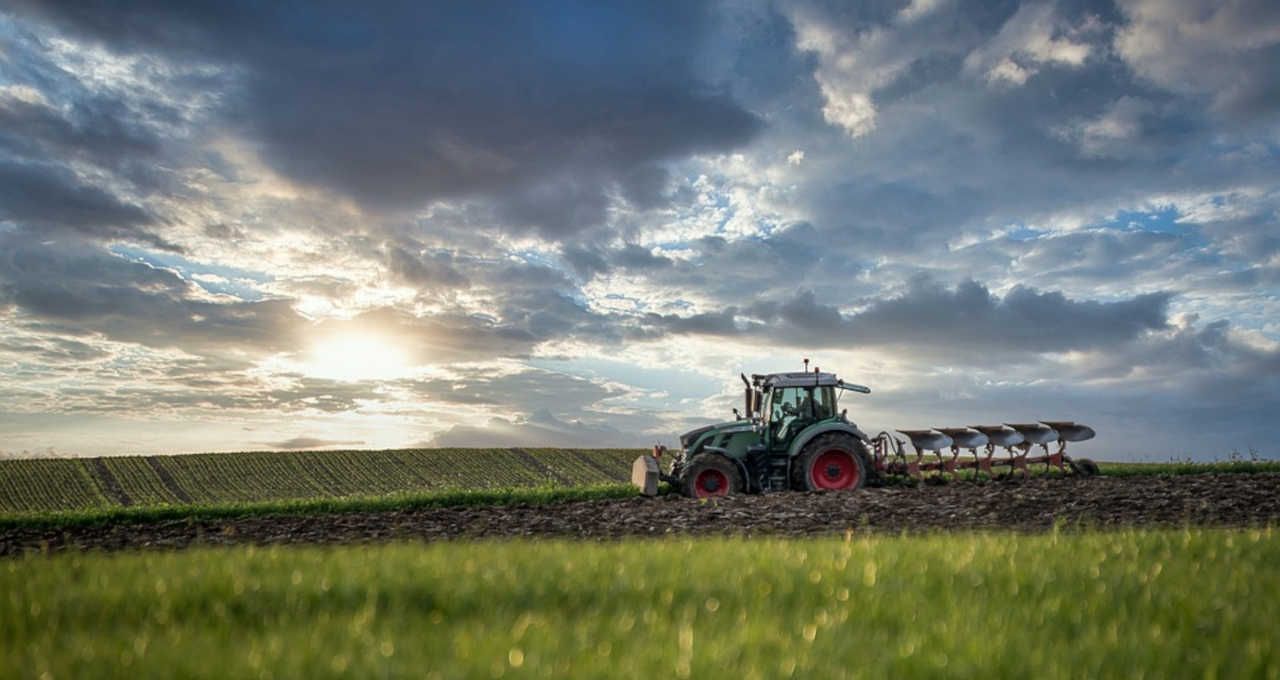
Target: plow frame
x=891, y=456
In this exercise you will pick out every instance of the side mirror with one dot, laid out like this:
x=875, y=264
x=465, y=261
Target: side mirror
x=736, y=415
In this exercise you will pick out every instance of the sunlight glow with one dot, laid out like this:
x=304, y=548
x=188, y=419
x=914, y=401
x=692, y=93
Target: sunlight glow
x=355, y=357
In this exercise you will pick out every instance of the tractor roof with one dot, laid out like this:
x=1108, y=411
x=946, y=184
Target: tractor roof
x=800, y=379
x=803, y=379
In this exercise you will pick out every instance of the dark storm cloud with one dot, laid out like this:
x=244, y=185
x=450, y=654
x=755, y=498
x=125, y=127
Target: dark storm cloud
x=52, y=199
x=963, y=322
x=589, y=260
x=1202, y=358
x=81, y=288
x=421, y=269
x=544, y=106
x=1023, y=320
x=98, y=129
x=632, y=256
x=585, y=262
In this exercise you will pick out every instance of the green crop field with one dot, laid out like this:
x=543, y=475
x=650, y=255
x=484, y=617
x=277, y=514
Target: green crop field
x=1170, y=603
x=69, y=484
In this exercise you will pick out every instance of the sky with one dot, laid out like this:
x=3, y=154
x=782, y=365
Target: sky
x=234, y=225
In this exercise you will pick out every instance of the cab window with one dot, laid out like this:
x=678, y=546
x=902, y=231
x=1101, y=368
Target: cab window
x=824, y=403
x=785, y=404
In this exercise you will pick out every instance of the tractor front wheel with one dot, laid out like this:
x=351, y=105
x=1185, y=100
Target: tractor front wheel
x=831, y=462
x=710, y=475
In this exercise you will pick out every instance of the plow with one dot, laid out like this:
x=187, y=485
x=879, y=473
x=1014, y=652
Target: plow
x=791, y=435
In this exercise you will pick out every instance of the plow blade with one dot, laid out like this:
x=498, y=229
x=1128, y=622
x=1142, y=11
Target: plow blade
x=964, y=437
x=1069, y=431
x=1035, y=433
x=927, y=440
x=1000, y=435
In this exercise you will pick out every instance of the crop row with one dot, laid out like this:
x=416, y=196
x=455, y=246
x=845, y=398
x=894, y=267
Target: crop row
x=43, y=485
x=75, y=484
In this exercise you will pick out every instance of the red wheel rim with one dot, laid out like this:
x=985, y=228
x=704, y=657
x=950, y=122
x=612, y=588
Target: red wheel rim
x=711, y=483
x=834, y=469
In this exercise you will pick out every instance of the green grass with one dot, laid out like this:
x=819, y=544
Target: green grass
x=1189, y=603
x=311, y=506
x=1189, y=468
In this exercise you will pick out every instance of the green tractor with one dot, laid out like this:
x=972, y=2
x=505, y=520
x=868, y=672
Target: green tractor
x=791, y=435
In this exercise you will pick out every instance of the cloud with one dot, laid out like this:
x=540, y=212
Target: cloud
x=83, y=289
x=964, y=324
x=423, y=269
x=541, y=429
x=298, y=443
x=850, y=68
x=1229, y=51
x=522, y=392
x=53, y=199
x=413, y=103
x=100, y=130
x=1034, y=37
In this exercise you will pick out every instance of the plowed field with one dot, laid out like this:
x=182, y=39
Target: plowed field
x=1036, y=504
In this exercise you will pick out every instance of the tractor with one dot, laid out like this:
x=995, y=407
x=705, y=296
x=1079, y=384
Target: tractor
x=791, y=435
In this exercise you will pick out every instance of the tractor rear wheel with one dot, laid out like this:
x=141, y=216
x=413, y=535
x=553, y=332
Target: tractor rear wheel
x=831, y=462
x=710, y=475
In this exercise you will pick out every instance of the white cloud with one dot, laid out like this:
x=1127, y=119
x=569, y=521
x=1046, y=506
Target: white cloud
x=1227, y=50
x=1034, y=36
x=851, y=66
x=1114, y=133
x=1009, y=71
x=917, y=9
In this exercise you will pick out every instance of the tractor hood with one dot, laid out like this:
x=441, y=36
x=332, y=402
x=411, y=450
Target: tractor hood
x=687, y=439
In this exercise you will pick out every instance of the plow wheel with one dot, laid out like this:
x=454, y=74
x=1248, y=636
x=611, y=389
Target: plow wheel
x=711, y=475
x=1083, y=467
x=831, y=462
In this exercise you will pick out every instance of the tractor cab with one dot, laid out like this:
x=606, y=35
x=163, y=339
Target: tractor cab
x=792, y=402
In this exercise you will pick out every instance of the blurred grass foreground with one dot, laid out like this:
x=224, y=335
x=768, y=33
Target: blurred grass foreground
x=1161, y=603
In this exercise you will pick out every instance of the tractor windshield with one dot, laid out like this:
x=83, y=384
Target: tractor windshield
x=805, y=403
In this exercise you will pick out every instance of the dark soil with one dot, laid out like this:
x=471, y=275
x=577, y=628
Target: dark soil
x=1023, y=505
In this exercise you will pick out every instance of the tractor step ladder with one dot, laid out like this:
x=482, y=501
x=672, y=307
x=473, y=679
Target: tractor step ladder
x=779, y=469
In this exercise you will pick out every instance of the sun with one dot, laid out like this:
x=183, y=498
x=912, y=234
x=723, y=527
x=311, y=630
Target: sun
x=356, y=357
